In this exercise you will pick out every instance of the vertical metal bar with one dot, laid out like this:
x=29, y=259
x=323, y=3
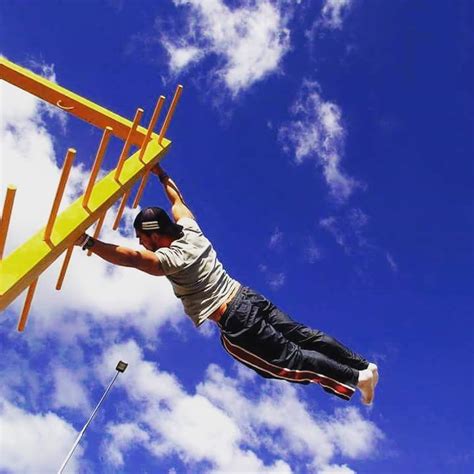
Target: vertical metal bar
x=71, y=153
x=27, y=306
x=127, y=144
x=121, y=209
x=170, y=113
x=141, y=189
x=151, y=126
x=62, y=273
x=97, y=230
x=6, y=215
x=78, y=439
x=96, y=167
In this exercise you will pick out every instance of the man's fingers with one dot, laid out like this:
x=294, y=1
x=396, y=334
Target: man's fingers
x=157, y=169
x=80, y=240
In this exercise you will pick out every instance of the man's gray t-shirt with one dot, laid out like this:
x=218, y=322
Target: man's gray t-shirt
x=197, y=276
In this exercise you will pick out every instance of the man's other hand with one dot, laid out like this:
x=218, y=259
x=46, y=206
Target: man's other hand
x=81, y=240
x=158, y=170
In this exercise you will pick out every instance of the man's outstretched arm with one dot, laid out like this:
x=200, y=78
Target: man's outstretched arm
x=143, y=260
x=178, y=207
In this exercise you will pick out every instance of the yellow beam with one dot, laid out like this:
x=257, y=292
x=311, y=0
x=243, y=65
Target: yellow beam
x=69, y=101
x=23, y=266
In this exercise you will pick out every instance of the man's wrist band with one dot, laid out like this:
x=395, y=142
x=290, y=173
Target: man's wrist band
x=162, y=177
x=88, y=243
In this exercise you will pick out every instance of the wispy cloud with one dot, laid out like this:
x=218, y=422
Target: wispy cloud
x=333, y=13
x=276, y=239
x=391, y=261
x=316, y=133
x=348, y=230
x=312, y=252
x=248, y=41
x=274, y=279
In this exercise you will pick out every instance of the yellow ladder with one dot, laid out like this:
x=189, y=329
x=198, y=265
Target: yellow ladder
x=21, y=269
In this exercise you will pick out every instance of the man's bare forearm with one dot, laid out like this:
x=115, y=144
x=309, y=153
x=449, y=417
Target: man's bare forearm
x=171, y=189
x=179, y=208
x=114, y=253
x=145, y=260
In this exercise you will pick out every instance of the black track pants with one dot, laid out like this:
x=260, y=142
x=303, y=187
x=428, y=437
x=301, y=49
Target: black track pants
x=255, y=332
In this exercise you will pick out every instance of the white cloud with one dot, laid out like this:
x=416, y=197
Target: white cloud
x=334, y=469
x=391, y=261
x=227, y=421
x=316, y=133
x=29, y=162
x=352, y=434
x=333, y=12
x=312, y=252
x=121, y=436
x=331, y=224
x=181, y=57
x=348, y=230
x=249, y=41
x=188, y=425
x=276, y=239
x=32, y=442
x=300, y=432
x=69, y=392
x=274, y=279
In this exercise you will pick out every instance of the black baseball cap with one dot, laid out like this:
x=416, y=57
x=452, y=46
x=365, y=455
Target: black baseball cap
x=155, y=219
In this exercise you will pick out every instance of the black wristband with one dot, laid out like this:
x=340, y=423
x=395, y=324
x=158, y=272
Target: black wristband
x=88, y=243
x=162, y=177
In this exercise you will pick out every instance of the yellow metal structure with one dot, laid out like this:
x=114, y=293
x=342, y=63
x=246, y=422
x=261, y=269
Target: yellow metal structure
x=21, y=269
x=68, y=101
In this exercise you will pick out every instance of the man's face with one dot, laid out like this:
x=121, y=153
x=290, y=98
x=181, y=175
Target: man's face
x=146, y=241
x=152, y=242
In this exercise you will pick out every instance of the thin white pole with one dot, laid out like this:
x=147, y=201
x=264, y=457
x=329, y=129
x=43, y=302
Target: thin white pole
x=61, y=469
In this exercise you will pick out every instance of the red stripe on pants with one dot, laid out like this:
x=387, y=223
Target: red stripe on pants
x=253, y=360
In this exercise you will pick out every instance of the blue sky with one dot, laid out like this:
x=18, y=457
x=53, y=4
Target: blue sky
x=326, y=150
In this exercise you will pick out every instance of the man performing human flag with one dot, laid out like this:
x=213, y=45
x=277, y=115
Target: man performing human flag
x=253, y=330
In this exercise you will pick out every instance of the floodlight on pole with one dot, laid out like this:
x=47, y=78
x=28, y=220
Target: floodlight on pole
x=121, y=367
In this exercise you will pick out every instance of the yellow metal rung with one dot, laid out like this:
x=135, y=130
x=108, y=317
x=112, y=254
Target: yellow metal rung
x=27, y=306
x=6, y=215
